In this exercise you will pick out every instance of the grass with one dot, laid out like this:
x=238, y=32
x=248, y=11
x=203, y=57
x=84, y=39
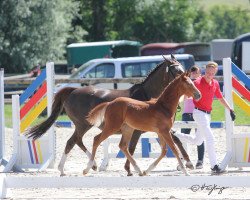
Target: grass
x=8, y=117
x=218, y=114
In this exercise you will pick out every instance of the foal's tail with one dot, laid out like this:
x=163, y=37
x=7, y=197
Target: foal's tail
x=96, y=115
x=57, y=107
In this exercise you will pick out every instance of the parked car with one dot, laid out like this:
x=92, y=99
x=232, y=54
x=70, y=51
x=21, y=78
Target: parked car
x=121, y=68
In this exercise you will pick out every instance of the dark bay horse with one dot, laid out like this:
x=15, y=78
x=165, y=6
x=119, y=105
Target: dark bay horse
x=77, y=102
x=124, y=115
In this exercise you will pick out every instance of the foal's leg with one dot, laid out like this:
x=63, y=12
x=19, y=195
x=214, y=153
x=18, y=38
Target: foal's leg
x=132, y=145
x=162, y=155
x=97, y=141
x=124, y=143
x=177, y=141
x=166, y=135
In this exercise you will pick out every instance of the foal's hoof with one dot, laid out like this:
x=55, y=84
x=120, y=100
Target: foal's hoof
x=144, y=173
x=85, y=171
x=141, y=174
x=189, y=165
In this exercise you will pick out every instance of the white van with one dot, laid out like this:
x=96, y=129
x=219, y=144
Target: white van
x=121, y=68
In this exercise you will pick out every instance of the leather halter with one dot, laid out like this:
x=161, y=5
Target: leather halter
x=174, y=65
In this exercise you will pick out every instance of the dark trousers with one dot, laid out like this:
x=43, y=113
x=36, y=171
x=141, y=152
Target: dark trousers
x=200, y=148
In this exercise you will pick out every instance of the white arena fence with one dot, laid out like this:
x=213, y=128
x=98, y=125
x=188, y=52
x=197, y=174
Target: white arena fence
x=145, y=144
x=191, y=182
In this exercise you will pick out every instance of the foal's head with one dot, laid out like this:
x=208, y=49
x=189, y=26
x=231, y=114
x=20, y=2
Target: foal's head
x=187, y=86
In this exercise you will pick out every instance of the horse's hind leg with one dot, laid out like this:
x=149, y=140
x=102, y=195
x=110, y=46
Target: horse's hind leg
x=132, y=145
x=76, y=138
x=82, y=146
x=163, y=153
x=69, y=145
x=166, y=135
x=177, y=141
x=126, y=136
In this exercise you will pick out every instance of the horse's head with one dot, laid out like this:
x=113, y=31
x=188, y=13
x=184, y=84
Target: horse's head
x=173, y=68
x=161, y=76
x=187, y=87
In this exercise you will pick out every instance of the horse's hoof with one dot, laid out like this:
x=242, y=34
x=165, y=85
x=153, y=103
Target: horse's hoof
x=190, y=165
x=144, y=173
x=62, y=174
x=94, y=167
x=129, y=174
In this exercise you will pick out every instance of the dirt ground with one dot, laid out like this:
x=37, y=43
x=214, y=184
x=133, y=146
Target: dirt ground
x=77, y=161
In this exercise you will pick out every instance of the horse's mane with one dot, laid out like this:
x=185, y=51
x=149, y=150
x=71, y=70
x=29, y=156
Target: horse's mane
x=151, y=72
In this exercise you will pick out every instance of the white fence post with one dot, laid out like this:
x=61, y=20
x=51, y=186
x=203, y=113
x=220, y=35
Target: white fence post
x=229, y=125
x=50, y=94
x=2, y=124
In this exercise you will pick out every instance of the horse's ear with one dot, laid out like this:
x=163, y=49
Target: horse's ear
x=165, y=58
x=172, y=57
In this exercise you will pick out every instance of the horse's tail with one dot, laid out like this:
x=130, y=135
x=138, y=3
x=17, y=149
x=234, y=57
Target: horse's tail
x=38, y=130
x=96, y=115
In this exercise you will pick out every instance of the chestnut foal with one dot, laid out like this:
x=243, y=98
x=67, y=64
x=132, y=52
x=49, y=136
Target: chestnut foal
x=125, y=115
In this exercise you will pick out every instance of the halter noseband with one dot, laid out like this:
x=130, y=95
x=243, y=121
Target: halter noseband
x=172, y=65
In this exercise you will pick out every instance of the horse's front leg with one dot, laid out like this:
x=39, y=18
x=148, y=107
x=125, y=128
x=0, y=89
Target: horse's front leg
x=163, y=153
x=132, y=145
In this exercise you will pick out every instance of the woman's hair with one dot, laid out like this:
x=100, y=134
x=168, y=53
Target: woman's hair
x=194, y=68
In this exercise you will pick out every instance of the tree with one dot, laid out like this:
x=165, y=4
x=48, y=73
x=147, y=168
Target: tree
x=165, y=21
x=229, y=22
x=33, y=32
x=120, y=18
x=92, y=18
x=202, y=26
